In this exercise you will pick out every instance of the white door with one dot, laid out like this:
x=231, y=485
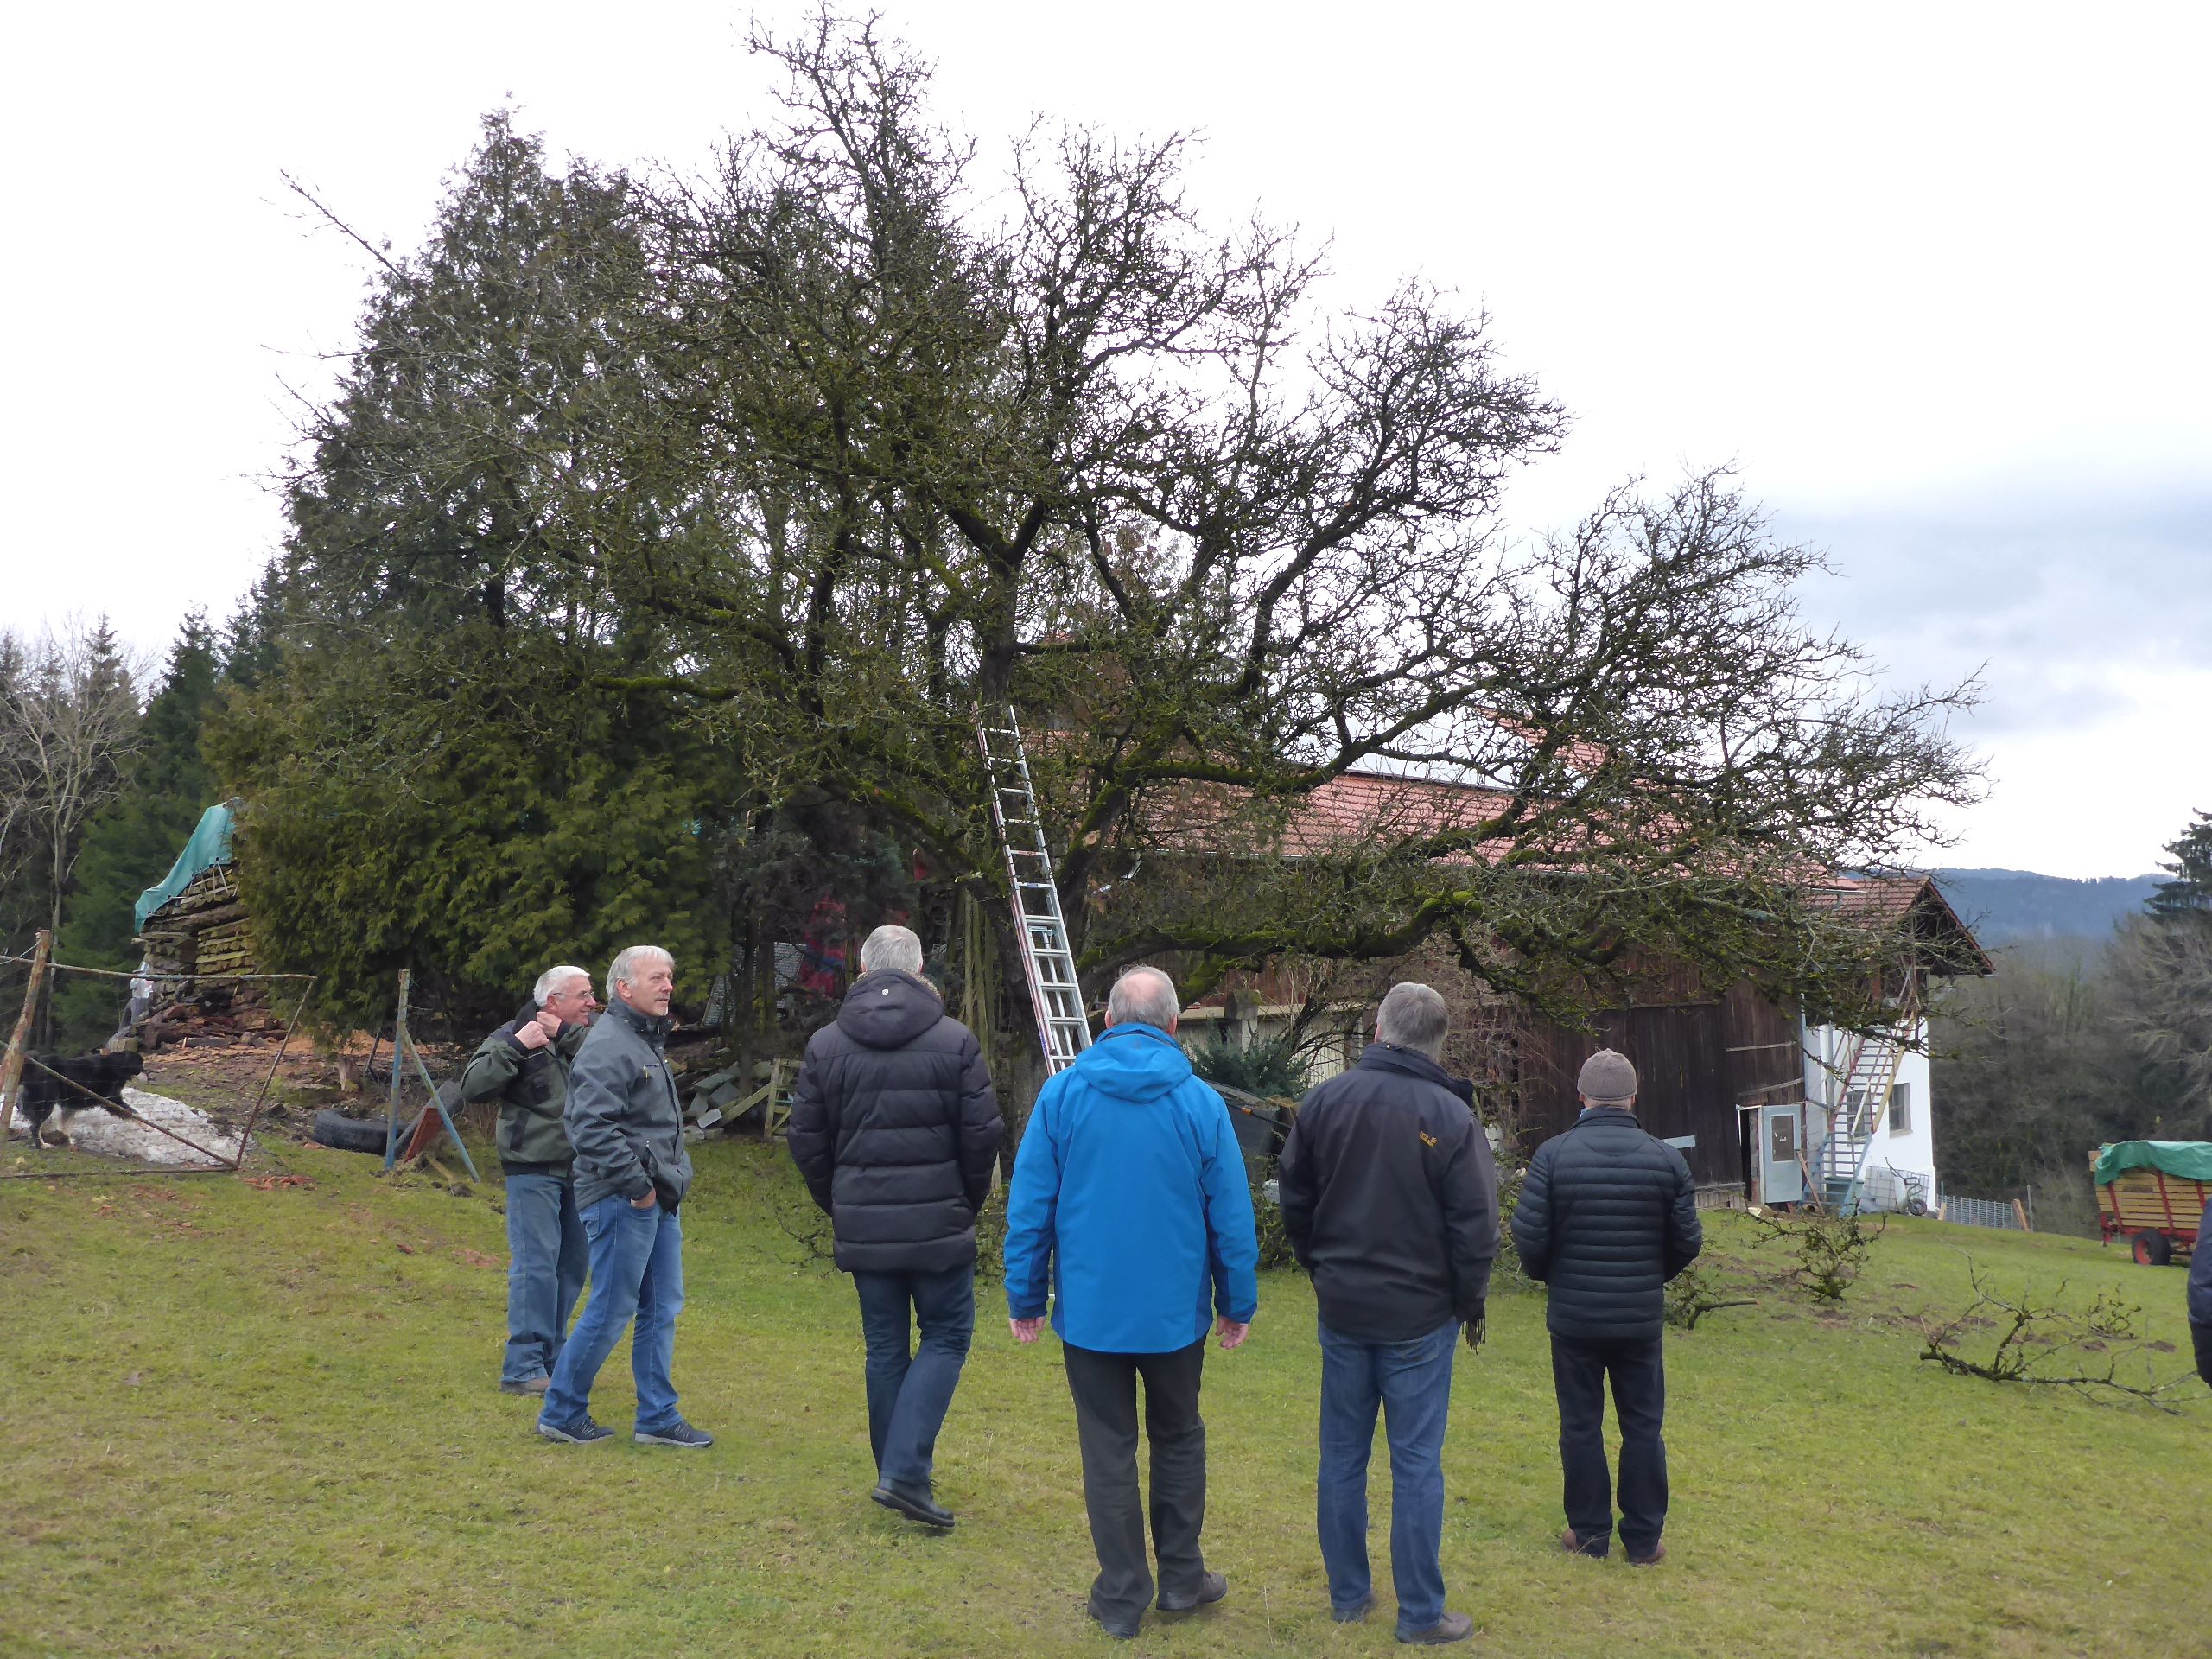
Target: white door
x=1781, y=1179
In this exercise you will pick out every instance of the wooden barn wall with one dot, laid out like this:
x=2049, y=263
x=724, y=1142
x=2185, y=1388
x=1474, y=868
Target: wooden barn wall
x=1695, y=1062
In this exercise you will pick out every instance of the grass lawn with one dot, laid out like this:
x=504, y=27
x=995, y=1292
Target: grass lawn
x=245, y=1420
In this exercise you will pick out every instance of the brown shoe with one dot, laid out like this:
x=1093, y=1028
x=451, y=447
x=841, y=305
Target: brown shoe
x=1658, y=1554
x=1571, y=1542
x=1452, y=1627
x=536, y=1385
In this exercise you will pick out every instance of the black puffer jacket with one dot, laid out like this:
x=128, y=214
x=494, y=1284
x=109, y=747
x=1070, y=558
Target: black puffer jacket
x=1607, y=1216
x=895, y=1126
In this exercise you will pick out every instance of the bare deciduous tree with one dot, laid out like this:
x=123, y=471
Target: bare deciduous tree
x=69, y=709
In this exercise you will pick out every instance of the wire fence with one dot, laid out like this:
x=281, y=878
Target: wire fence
x=2007, y=1215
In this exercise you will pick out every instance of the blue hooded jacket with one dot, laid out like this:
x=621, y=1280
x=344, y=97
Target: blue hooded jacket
x=1129, y=1192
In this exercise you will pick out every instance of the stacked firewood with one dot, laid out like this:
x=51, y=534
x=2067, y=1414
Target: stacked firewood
x=203, y=931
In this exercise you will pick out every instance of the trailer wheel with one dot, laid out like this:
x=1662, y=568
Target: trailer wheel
x=2153, y=1249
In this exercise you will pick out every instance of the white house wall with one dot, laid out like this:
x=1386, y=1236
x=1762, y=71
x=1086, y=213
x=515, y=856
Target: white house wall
x=1910, y=1153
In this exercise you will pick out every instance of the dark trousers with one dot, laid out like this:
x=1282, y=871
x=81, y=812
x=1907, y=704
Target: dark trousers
x=1638, y=1371
x=1105, y=1391
x=910, y=1391
x=2202, y=1336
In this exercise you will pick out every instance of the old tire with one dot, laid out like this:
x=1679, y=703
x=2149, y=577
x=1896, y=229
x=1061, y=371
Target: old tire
x=2153, y=1249
x=347, y=1133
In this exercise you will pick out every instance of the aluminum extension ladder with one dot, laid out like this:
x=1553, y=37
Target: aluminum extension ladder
x=1047, y=959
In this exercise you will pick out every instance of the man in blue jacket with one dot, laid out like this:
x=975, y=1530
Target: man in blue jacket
x=1130, y=1202
x=1607, y=1216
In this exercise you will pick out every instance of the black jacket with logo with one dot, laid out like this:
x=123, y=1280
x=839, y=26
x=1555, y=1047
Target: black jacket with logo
x=1607, y=1216
x=895, y=1128
x=1390, y=1198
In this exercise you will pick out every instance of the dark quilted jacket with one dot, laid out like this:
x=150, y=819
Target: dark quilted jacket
x=895, y=1126
x=1607, y=1216
x=2200, y=1274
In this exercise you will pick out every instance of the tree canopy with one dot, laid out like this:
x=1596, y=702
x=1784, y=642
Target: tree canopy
x=701, y=516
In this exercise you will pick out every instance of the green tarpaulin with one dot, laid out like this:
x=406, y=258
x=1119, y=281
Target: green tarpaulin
x=2191, y=1160
x=210, y=845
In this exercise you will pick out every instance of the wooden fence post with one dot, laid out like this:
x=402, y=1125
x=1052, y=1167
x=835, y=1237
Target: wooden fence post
x=11, y=1070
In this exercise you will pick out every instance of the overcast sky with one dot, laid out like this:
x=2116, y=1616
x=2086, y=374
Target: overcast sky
x=1934, y=277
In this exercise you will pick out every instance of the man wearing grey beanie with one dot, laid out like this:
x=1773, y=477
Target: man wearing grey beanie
x=1607, y=1216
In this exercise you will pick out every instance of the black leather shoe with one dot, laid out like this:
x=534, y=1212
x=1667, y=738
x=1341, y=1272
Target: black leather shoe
x=915, y=1507
x=1211, y=1588
x=1121, y=1630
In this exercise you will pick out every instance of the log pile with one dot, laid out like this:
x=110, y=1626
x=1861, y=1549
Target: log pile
x=203, y=931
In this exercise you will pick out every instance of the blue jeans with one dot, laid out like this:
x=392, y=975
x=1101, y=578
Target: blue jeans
x=1411, y=1382
x=637, y=1270
x=546, y=1257
x=908, y=1392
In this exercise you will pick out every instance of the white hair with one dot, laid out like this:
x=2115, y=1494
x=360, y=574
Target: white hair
x=553, y=978
x=1413, y=1016
x=629, y=959
x=1143, y=996
x=892, y=949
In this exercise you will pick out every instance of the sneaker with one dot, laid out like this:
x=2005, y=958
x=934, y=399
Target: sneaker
x=1353, y=1615
x=582, y=1432
x=1452, y=1627
x=678, y=1433
x=536, y=1385
x=1211, y=1588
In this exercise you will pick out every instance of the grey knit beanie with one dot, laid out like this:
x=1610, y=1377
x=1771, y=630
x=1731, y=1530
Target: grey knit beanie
x=1607, y=1079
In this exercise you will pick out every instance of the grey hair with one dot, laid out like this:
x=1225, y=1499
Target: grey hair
x=1413, y=1016
x=1143, y=996
x=892, y=949
x=629, y=960
x=553, y=978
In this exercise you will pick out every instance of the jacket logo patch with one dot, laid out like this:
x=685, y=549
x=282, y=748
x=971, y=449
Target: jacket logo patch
x=1426, y=1139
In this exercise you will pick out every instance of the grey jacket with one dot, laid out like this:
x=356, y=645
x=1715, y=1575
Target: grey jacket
x=532, y=1085
x=624, y=1118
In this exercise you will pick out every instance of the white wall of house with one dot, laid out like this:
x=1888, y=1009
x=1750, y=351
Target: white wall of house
x=1907, y=1146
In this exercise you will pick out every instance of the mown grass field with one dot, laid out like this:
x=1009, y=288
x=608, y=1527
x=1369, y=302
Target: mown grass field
x=239, y=1421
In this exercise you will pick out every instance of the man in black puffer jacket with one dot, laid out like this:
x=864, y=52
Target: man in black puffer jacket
x=1607, y=1216
x=895, y=1126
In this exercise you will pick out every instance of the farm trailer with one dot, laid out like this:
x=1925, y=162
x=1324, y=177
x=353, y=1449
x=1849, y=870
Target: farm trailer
x=2153, y=1193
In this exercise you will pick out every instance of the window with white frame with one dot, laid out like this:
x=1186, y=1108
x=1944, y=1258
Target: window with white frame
x=1901, y=1108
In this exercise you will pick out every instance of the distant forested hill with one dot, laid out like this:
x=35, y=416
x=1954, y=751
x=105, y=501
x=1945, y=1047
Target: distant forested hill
x=2005, y=906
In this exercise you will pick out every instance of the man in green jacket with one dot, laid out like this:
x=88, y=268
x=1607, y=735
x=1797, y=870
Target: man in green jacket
x=524, y=1065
